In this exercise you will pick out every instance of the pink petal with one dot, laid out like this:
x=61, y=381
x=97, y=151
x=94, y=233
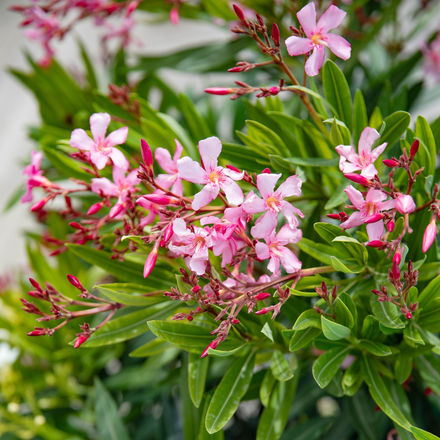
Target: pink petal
x=385, y=206
x=180, y=229
x=148, y=219
x=165, y=180
x=99, y=159
x=117, y=137
x=346, y=151
x=262, y=250
x=210, y=220
x=191, y=171
x=405, y=204
x=99, y=123
x=369, y=171
x=104, y=185
x=27, y=197
x=338, y=45
x=290, y=212
x=274, y=264
x=233, y=174
x=298, y=46
x=264, y=225
x=163, y=157
x=142, y=201
x=307, y=18
x=315, y=62
x=291, y=187
x=289, y=260
x=205, y=196
x=178, y=152
x=289, y=235
x=233, y=192
x=368, y=137
x=355, y=220
x=375, y=230
x=36, y=158
x=347, y=167
x=375, y=196
x=355, y=196
x=132, y=179
x=378, y=151
x=331, y=19
x=118, y=159
x=177, y=188
x=119, y=175
x=254, y=204
x=81, y=140
x=198, y=265
x=210, y=150
x=266, y=184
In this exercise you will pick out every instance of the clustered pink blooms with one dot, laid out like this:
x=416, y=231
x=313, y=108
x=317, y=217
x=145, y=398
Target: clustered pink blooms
x=34, y=175
x=317, y=37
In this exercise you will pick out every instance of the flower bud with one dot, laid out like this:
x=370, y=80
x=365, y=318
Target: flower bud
x=391, y=163
x=262, y=311
x=276, y=35
x=237, y=69
x=174, y=16
x=116, y=210
x=266, y=171
x=414, y=148
x=168, y=233
x=235, y=321
x=95, y=208
x=239, y=12
x=334, y=216
x=390, y=226
x=151, y=261
x=429, y=236
x=274, y=91
x=374, y=218
x=37, y=206
x=219, y=90
x=262, y=296
x=427, y=391
x=37, y=332
x=376, y=243
x=405, y=204
x=80, y=340
x=213, y=345
x=35, y=284
x=162, y=199
x=408, y=315
x=396, y=261
x=75, y=225
x=147, y=155
x=230, y=167
x=75, y=282
x=357, y=178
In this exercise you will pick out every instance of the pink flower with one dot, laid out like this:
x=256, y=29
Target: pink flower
x=273, y=203
x=368, y=208
x=191, y=244
x=432, y=58
x=101, y=147
x=350, y=161
x=429, y=235
x=153, y=208
x=405, y=204
x=275, y=249
x=214, y=177
x=123, y=188
x=318, y=37
x=34, y=176
x=163, y=157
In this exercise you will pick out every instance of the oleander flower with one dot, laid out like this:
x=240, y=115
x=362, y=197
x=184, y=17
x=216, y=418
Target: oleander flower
x=168, y=164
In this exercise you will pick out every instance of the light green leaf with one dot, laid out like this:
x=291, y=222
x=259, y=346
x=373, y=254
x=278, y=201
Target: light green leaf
x=280, y=367
x=326, y=366
x=197, y=371
x=312, y=161
x=266, y=330
x=343, y=314
x=420, y=434
x=309, y=318
x=424, y=134
x=429, y=293
x=118, y=292
x=267, y=387
x=403, y=368
x=156, y=346
x=396, y=125
x=377, y=348
x=333, y=330
x=387, y=313
x=302, y=337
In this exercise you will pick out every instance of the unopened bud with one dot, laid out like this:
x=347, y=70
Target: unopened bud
x=408, y=315
x=239, y=12
x=427, y=391
x=37, y=332
x=357, y=178
x=196, y=289
x=274, y=91
x=334, y=216
x=75, y=282
x=162, y=199
x=376, y=243
x=116, y=210
x=213, y=345
x=147, y=155
x=262, y=311
x=318, y=310
x=374, y=218
x=262, y=296
x=429, y=236
x=396, y=270
x=168, y=233
x=334, y=292
x=80, y=340
x=390, y=226
x=405, y=204
x=276, y=35
x=266, y=171
x=95, y=208
x=391, y=163
x=174, y=16
x=235, y=321
x=37, y=206
x=414, y=148
x=151, y=261
x=75, y=225
x=219, y=90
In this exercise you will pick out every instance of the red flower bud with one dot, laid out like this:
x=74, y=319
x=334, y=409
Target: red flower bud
x=274, y=90
x=35, y=284
x=80, y=340
x=237, y=69
x=162, y=199
x=151, y=261
x=189, y=318
x=37, y=332
x=266, y=171
x=116, y=210
x=408, y=315
x=235, y=321
x=334, y=216
x=230, y=167
x=427, y=391
x=357, y=178
x=196, y=289
x=262, y=311
x=168, y=233
x=213, y=345
x=147, y=155
x=390, y=226
x=174, y=16
x=429, y=236
x=414, y=148
x=396, y=270
x=376, y=243
x=219, y=90
x=75, y=225
x=374, y=218
x=37, y=206
x=261, y=296
x=276, y=35
x=75, y=282
x=239, y=12
x=391, y=163
x=95, y=208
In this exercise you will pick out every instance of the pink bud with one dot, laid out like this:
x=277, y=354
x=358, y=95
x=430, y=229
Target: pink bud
x=116, y=210
x=414, y=148
x=37, y=206
x=275, y=34
x=429, y=236
x=390, y=226
x=239, y=12
x=213, y=345
x=196, y=289
x=131, y=7
x=427, y=392
x=357, y=178
x=334, y=216
x=35, y=284
x=396, y=261
x=237, y=69
x=189, y=318
x=374, y=218
x=376, y=243
x=235, y=321
x=405, y=204
x=40, y=332
x=147, y=155
x=168, y=233
x=262, y=296
x=174, y=16
x=391, y=163
x=266, y=171
x=262, y=311
x=162, y=199
x=75, y=225
x=219, y=90
x=151, y=261
x=274, y=90
x=408, y=315
x=75, y=282
x=95, y=208
x=230, y=167
x=80, y=340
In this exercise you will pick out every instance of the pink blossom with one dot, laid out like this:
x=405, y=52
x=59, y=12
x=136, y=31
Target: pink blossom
x=101, y=147
x=405, y=204
x=34, y=176
x=214, y=177
x=350, y=161
x=190, y=244
x=374, y=203
x=273, y=203
x=153, y=208
x=123, y=188
x=275, y=248
x=432, y=58
x=171, y=179
x=429, y=235
x=318, y=37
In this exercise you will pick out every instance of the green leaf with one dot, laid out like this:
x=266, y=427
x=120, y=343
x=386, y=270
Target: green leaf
x=119, y=292
x=380, y=393
x=420, y=434
x=360, y=119
x=302, y=337
x=312, y=161
x=326, y=366
x=387, y=313
x=197, y=371
x=403, y=368
x=228, y=394
x=156, y=346
x=429, y=317
x=275, y=415
x=280, y=367
x=309, y=318
x=429, y=368
x=197, y=125
x=129, y=326
x=412, y=335
x=190, y=415
x=429, y=293
x=370, y=328
x=333, y=330
x=424, y=134
x=339, y=197
x=396, y=125
x=203, y=433
x=266, y=330
x=377, y=348
x=337, y=92
x=108, y=421
x=352, y=376
x=267, y=387
x=224, y=353
x=219, y=8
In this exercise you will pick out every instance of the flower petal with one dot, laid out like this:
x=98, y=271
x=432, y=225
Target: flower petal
x=198, y=265
x=289, y=260
x=99, y=123
x=99, y=159
x=347, y=151
x=232, y=190
x=118, y=158
x=81, y=140
x=132, y=178
x=117, y=137
x=163, y=157
x=331, y=19
x=298, y=46
x=36, y=158
x=355, y=220
x=378, y=151
x=210, y=150
x=315, y=61
x=191, y=170
x=368, y=137
x=233, y=174
x=274, y=264
x=375, y=230
x=347, y=167
x=307, y=19
x=385, y=206
x=338, y=45
x=288, y=235
x=178, y=152
x=290, y=212
x=375, y=196
x=369, y=171
x=355, y=196
x=262, y=250
x=265, y=225
x=266, y=184
x=290, y=187
x=177, y=188
x=103, y=184
x=205, y=196
x=254, y=204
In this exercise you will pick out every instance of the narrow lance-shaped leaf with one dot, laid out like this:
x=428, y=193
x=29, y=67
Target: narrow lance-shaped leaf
x=197, y=371
x=326, y=366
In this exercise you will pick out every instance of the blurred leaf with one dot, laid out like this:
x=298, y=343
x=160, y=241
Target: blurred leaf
x=360, y=119
x=419, y=434
x=396, y=125
x=130, y=294
x=197, y=371
x=156, y=346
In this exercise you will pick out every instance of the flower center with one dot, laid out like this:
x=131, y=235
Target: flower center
x=273, y=203
x=370, y=208
x=216, y=176
x=103, y=149
x=317, y=39
x=199, y=242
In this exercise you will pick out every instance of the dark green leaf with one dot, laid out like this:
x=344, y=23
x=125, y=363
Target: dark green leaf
x=326, y=366
x=280, y=367
x=197, y=370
